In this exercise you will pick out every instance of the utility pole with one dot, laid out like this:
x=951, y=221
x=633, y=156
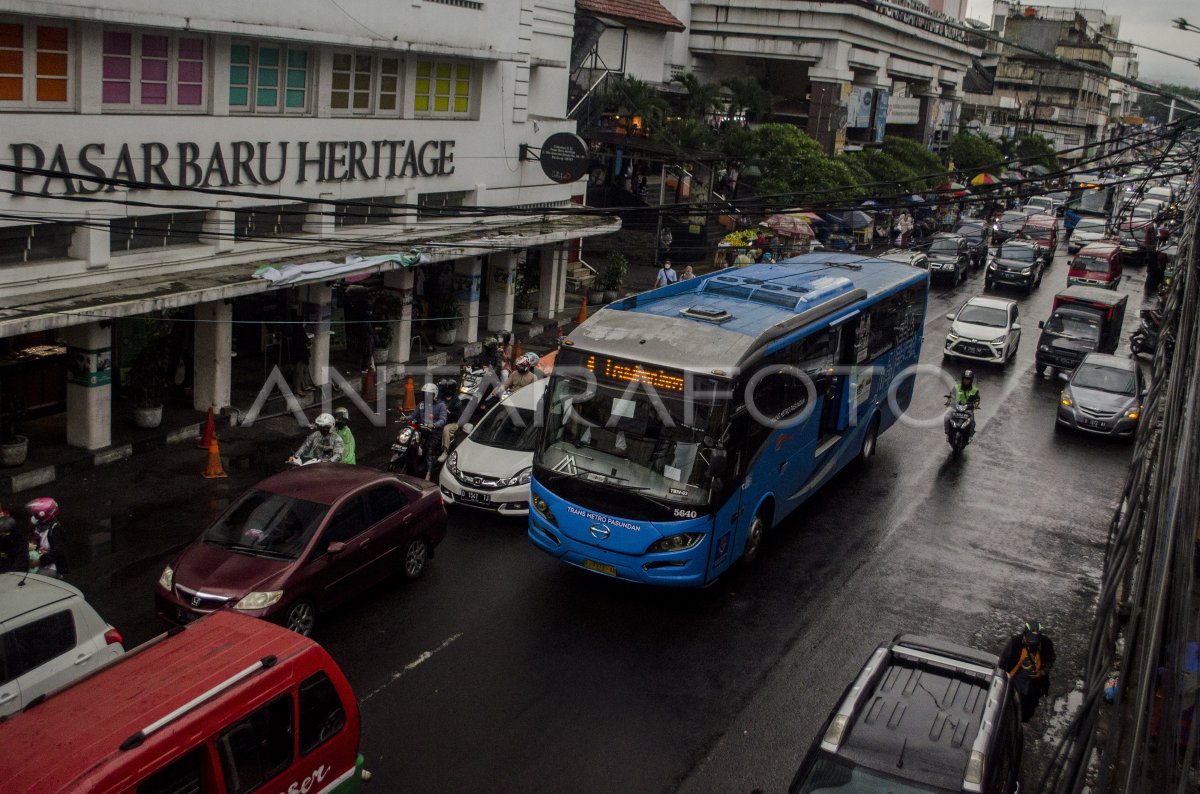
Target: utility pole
x=1037, y=100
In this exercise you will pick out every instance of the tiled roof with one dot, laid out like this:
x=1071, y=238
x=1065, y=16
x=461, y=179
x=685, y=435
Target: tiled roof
x=645, y=12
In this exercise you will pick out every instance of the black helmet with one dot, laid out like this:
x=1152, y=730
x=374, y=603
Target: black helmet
x=447, y=388
x=490, y=344
x=1033, y=632
x=968, y=375
x=503, y=336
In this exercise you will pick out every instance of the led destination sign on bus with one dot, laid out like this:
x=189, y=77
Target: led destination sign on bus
x=618, y=371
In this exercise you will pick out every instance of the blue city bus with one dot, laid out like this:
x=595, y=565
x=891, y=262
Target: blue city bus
x=680, y=424
x=1095, y=196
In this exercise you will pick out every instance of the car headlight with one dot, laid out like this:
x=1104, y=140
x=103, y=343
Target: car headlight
x=452, y=463
x=952, y=337
x=539, y=504
x=259, y=599
x=520, y=478
x=684, y=540
x=167, y=580
x=1044, y=348
x=998, y=342
x=1132, y=413
x=992, y=266
x=1026, y=271
x=1064, y=399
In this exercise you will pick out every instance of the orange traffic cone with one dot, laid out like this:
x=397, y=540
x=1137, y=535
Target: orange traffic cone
x=214, y=471
x=209, y=433
x=582, y=311
x=410, y=398
x=516, y=349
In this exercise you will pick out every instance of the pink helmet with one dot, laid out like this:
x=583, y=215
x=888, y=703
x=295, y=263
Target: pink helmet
x=42, y=510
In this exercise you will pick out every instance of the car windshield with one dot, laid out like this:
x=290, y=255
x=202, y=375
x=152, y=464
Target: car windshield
x=983, y=315
x=1090, y=264
x=1022, y=253
x=1090, y=225
x=264, y=524
x=834, y=774
x=972, y=231
x=507, y=428
x=1036, y=232
x=1079, y=326
x=1101, y=378
x=1040, y=203
x=1013, y=220
x=630, y=439
x=944, y=247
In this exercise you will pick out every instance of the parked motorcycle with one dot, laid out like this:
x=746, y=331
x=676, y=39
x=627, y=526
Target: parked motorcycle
x=409, y=450
x=962, y=421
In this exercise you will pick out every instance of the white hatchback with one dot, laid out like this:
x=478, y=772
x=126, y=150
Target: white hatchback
x=491, y=468
x=984, y=329
x=49, y=637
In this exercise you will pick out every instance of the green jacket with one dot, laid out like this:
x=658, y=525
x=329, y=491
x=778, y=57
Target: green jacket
x=347, y=443
x=969, y=396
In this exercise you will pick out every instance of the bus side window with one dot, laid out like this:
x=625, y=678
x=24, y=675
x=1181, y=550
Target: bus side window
x=885, y=317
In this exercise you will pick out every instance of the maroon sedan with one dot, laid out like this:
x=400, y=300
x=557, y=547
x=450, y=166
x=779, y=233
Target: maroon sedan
x=302, y=542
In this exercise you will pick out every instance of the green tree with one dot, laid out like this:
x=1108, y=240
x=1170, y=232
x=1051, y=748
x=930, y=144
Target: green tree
x=748, y=97
x=702, y=97
x=1035, y=150
x=886, y=175
x=795, y=169
x=974, y=153
x=629, y=95
x=688, y=137
x=928, y=170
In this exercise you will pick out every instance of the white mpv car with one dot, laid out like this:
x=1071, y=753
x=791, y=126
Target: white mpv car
x=49, y=637
x=491, y=468
x=984, y=329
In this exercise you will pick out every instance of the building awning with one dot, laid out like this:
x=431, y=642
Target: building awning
x=639, y=13
x=59, y=308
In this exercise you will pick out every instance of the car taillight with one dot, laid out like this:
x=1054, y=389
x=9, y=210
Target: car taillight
x=113, y=637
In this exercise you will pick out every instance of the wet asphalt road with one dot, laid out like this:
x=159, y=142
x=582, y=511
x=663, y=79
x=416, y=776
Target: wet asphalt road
x=504, y=670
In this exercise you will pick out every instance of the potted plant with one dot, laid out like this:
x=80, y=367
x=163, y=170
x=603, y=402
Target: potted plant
x=382, y=342
x=446, y=316
x=524, y=282
x=148, y=384
x=14, y=447
x=612, y=276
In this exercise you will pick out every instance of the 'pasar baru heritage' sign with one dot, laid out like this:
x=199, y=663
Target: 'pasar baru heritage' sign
x=98, y=167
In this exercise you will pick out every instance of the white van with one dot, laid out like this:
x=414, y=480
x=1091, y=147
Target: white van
x=490, y=469
x=49, y=637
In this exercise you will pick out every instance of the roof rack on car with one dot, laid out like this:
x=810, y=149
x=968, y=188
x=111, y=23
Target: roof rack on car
x=138, y=738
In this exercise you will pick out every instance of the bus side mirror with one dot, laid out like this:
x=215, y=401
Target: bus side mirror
x=718, y=462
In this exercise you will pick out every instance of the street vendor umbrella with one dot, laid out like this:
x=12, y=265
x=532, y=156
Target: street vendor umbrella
x=1011, y=176
x=789, y=226
x=1037, y=170
x=808, y=216
x=870, y=203
x=915, y=199
x=857, y=219
x=984, y=179
x=954, y=188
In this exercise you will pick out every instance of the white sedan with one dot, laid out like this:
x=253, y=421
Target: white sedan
x=984, y=329
x=491, y=468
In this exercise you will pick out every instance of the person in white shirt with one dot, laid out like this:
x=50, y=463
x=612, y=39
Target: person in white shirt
x=666, y=275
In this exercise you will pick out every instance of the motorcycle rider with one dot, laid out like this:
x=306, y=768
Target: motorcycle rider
x=430, y=412
x=49, y=537
x=966, y=393
x=341, y=426
x=524, y=374
x=448, y=391
x=322, y=444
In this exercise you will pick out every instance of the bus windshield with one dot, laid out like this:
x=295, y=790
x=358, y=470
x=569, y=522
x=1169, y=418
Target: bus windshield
x=632, y=440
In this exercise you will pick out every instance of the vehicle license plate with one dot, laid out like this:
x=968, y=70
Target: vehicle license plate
x=973, y=350
x=1092, y=423
x=600, y=567
x=475, y=496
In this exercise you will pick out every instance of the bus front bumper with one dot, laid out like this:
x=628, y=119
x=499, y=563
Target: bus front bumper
x=671, y=569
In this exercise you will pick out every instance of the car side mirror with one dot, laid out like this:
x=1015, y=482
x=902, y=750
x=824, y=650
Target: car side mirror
x=1041, y=323
x=1016, y=326
x=1064, y=376
x=337, y=547
x=950, y=316
x=468, y=427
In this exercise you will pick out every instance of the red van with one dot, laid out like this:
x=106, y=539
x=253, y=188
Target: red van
x=1096, y=265
x=1043, y=231
x=227, y=704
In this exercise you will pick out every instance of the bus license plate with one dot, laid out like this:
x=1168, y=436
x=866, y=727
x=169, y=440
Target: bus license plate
x=600, y=567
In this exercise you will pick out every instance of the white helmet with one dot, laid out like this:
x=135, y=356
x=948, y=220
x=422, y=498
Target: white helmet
x=324, y=420
x=430, y=388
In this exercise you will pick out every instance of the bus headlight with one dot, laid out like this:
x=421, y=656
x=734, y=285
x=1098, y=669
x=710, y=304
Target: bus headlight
x=539, y=504
x=680, y=542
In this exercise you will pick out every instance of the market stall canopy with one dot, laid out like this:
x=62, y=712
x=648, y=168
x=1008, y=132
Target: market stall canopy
x=953, y=188
x=984, y=179
x=790, y=226
x=1037, y=170
x=856, y=219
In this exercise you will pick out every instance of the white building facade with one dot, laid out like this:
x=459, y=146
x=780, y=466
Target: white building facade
x=156, y=155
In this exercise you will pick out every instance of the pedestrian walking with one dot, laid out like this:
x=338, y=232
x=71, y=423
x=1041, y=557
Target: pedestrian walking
x=904, y=227
x=666, y=275
x=49, y=537
x=1028, y=658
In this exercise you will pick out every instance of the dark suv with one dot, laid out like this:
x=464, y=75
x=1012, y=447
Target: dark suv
x=949, y=257
x=979, y=236
x=923, y=714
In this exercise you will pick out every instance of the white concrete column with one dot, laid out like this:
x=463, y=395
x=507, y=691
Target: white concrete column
x=219, y=225
x=466, y=293
x=89, y=385
x=320, y=220
x=501, y=295
x=548, y=283
x=318, y=310
x=561, y=261
x=89, y=240
x=212, y=361
x=401, y=282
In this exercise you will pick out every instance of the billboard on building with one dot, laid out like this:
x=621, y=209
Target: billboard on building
x=880, y=119
x=904, y=110
x=858, y=108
